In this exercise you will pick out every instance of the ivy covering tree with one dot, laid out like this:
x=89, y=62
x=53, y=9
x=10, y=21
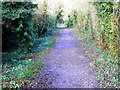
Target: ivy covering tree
x=72, y=19
x=17, y=28
x=98, y=27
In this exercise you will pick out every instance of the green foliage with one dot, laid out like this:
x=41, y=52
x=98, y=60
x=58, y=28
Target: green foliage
x=20, y=70
x=100, y=41
x=105, y=66
x=44, y=24
x=16, y=75
x=107, y=26
x=8, y=57
x=22, y=27
x=17, y=28
x=59, y=16
x=42, y=43
x=72, y=19
x=47, y=28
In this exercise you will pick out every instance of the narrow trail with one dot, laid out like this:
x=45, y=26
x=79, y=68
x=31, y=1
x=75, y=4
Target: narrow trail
x=65, y=66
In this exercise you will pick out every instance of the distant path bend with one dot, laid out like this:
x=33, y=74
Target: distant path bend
x=65, y=66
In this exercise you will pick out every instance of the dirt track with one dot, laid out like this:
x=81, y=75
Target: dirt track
x=65, y=66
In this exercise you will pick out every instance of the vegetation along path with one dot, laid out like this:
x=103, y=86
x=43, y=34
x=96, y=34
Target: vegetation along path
x=65, y=66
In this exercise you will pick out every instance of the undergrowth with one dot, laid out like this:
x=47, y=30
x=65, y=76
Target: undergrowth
x=22, y=67
x=106, y=69
x=16, y=76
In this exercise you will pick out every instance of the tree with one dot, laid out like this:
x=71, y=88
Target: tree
x=17, y=28
x=59, y=15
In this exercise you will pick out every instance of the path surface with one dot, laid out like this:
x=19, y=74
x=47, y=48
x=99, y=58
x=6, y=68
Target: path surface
x=65, y=66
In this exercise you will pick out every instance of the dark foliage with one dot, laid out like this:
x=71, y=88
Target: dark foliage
x=17, y=28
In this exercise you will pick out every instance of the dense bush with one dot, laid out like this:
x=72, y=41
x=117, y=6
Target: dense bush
x=44, y=25
x=72, y=19
x=17, y=28
x=22, y=24
x=59, y=15
x=24, y=30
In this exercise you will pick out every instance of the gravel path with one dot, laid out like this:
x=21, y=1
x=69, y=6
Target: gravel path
x=65, y=66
